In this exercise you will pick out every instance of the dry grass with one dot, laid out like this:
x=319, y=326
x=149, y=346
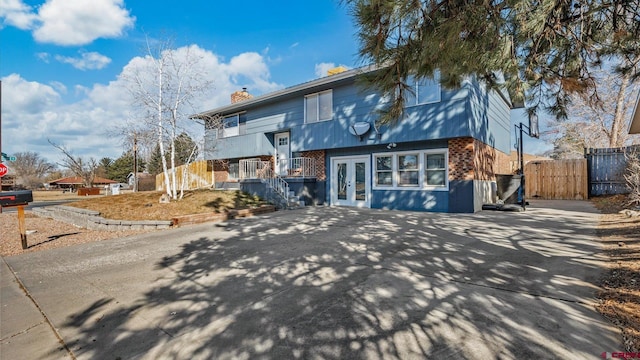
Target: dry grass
x=620, y=297
x=146, y=206
x=49, y=234
x=58, y=195
x=45, y=234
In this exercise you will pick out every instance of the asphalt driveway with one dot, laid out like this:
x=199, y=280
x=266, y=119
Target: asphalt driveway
x=334, y=283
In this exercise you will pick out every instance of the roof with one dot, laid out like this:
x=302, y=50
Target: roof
x=274, y=96
x=300, y=88
x=73, y=180
x=141, y=175
x=634, y=127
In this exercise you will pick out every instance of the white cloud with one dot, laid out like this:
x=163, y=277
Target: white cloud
x=79, y=22
x=69, y=22
x=86, y=61
x=44, y=57
x=18, y=14
x=26, y=97
x=33, y=112
x=322, y=68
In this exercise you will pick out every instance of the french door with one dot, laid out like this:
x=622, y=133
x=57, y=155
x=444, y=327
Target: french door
x=351, y=181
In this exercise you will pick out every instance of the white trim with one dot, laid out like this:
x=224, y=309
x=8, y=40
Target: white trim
x=421, y=170
x=333, y=196
x=276, y=155
x=223, y=130
x=415, y=84
x=317, y=96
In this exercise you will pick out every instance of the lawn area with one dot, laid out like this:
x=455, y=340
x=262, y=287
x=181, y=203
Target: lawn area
x=58, y=195
x=620, y=297
x=146, y=205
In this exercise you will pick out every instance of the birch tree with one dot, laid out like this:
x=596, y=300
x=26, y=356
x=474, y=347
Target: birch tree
x=164, y=86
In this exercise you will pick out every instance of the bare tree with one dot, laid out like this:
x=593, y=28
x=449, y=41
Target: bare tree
x=632, y=175
x=83, y=168
x=601, y=122
x=164, y=88
x=31, y=169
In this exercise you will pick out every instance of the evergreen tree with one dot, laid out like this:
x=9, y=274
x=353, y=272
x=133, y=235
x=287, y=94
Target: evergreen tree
x=545, y=50
x=103, y=167
x=155, y=161
x=184, y=148
x=123, y=166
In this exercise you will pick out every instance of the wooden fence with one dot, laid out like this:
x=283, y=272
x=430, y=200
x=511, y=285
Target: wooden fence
x=196, y=175
x=556, y=179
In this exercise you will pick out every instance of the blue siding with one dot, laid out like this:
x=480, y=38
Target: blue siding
x=417, y=200
x=489, y=117
x=410, y=200
x=442, y=120
x=249, y=145
x=466, y=112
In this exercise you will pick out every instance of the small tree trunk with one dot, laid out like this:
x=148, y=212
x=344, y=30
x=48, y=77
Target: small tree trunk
x=615, y=138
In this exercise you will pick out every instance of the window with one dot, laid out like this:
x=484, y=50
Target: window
x=435, y=169
x=408, y=172
x=230, y=126
x=384, y=171
x=283, y=141
x=425, y=91
x=319, y=106
x=425, y=169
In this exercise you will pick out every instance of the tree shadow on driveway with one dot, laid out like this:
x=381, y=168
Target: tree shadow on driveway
x=336, y=283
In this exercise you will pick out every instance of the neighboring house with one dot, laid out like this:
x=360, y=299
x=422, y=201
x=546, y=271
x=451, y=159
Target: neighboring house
x=75, y=182
x=320, y=140
x=141, y=176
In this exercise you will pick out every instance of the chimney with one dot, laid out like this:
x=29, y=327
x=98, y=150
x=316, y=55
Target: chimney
x=336, y=70
x=240, y=96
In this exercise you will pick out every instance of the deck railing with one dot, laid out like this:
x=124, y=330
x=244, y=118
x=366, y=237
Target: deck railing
x=258, y=169
x=296, y=167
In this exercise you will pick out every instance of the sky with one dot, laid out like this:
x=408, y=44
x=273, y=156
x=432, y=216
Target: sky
x=62, y=62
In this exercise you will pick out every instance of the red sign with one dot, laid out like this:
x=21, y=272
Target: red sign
x=3, y=170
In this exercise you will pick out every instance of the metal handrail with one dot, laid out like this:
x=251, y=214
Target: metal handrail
x=258, y=169
x=297, y=167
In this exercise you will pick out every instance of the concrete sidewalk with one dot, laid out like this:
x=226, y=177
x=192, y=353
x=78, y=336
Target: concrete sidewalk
x=24, y=331
x=335, y=283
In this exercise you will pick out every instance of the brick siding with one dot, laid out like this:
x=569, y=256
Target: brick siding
x=220, y=170
x=471, y=159
x=240, y=96
x=319, y=156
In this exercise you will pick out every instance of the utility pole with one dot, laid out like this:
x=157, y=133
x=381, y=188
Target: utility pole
x=135, y=162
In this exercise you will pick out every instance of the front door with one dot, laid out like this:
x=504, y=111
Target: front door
x=282, y=153
x=350, y=181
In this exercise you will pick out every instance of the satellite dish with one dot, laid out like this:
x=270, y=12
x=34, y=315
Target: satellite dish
x=359, y=129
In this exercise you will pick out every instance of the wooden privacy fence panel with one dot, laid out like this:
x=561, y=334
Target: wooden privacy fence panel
x=196, y=175
x=556, y=179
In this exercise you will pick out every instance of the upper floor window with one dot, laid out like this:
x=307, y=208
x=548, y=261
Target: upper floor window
x=230, y=126
x=425, y=90
x=318, y=107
